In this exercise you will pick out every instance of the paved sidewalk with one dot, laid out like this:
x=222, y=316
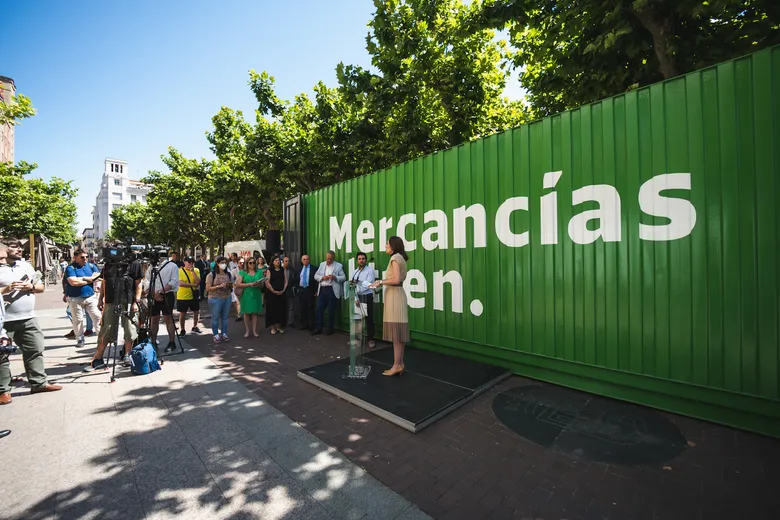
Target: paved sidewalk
x=469, y=465
x=188, y=441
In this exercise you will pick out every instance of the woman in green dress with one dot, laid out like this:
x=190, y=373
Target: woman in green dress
x=251, y=298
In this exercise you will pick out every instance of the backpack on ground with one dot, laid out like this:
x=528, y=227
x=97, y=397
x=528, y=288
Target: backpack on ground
x=143, y=359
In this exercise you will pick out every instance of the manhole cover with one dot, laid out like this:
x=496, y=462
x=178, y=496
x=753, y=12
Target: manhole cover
x=587, y=426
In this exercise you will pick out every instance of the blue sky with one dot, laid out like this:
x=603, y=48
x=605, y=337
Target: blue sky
x=128, y=79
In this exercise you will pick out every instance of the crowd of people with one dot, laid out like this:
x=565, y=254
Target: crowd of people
x=136, y=294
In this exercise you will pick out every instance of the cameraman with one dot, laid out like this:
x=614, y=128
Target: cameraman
x=18, y=292
x=119, y=287
x=164, y=300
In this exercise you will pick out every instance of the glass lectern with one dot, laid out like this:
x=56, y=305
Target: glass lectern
x=358, y=314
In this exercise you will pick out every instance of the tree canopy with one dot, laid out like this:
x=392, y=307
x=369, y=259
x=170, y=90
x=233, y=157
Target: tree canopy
x=572, y=52
x=31, y=205
x=430, y=87
x=437, y=76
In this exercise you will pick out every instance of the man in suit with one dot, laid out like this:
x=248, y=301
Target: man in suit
x=307, y=288
x=330, y=276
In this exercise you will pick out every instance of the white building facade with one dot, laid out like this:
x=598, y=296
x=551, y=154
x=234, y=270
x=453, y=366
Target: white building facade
x=116, y=190
x=88, y=240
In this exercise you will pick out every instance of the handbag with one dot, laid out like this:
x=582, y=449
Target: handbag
x=238, y=291
x=195, y=292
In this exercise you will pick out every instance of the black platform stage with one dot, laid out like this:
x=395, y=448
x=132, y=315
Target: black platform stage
x=432, y=385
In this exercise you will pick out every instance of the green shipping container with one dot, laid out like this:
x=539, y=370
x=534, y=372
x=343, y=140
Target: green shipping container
x=627, y=248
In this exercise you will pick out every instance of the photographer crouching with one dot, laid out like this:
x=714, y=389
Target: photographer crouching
x=121, y=287
x=18, y=289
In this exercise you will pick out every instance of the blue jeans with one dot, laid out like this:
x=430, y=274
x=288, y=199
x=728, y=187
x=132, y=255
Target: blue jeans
x=220, y=309
x=70, y=317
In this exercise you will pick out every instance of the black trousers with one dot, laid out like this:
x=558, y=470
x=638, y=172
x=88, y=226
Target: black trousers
x=306, y=300
x=368, y=299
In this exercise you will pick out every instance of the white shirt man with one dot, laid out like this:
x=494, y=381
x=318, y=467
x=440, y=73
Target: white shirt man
x=18, y=293
x=364, y=276
x=330, y=276
x=165, y=287
x=169, y=274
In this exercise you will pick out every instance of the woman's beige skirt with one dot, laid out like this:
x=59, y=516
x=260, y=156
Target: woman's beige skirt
x=395, y=325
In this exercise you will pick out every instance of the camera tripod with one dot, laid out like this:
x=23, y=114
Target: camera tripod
x=154, y=278
x=122, y=308
x=122, y=286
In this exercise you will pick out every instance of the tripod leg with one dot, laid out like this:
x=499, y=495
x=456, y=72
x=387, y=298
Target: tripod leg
x=176, y=337
x=113, y=356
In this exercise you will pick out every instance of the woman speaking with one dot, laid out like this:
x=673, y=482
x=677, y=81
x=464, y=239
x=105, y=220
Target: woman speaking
x=395, y=325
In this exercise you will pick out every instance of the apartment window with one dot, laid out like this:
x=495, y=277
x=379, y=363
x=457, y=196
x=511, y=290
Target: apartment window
x=117, y=195
x=132, y=198
x=112, y=167
x=121, y=169
x=116, y=206
x=117, y=182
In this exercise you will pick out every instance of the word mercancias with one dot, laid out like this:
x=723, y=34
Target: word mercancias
x=679, y=213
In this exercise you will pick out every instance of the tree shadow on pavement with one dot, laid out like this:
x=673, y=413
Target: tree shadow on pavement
x=173, y=448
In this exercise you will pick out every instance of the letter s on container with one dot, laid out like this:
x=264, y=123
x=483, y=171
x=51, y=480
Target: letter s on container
x=680, y=212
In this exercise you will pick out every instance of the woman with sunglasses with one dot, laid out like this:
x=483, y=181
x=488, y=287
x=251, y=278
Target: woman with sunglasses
x=250, y=281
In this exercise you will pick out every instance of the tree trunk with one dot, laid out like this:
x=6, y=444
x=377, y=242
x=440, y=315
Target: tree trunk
x=660, y=32
x=272, y=225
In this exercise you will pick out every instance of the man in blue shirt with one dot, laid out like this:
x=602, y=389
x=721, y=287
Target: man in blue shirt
x=81, y=294
x=307, y=287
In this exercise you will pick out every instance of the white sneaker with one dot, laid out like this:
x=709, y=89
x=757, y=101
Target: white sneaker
x=217, y=339
x=225, y=337
x=80, y=343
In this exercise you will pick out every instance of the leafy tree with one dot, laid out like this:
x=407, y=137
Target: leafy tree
x=135, y=222
x=251, y=163
x=437, y=85
x=12, y=112
x=33, y=206
x=19, y=169
x=18, y=107
x=572, y=52
x=178, y=204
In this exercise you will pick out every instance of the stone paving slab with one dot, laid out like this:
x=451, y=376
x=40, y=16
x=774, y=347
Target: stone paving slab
x=469, y=465
x=188, y=441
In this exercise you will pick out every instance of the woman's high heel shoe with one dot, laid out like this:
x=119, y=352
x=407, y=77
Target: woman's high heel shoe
x=394, y=371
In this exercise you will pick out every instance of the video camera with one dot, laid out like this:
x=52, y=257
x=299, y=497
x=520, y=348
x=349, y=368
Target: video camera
x=123, y=254
x=112, y=254
x=9, y=348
